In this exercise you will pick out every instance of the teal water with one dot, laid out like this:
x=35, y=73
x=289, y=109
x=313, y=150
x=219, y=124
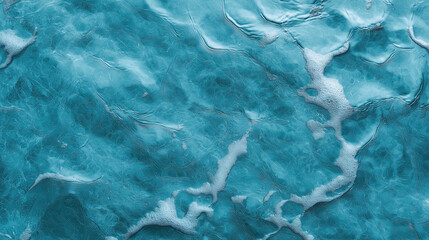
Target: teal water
x=261, y=119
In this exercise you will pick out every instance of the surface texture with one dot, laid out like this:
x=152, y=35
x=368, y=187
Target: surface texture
x=260, y=119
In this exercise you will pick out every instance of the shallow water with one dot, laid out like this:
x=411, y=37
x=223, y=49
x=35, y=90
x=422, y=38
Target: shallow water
x=262, y=119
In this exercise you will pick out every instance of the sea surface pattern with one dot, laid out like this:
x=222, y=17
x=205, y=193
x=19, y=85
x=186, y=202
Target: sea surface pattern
x=222, y=119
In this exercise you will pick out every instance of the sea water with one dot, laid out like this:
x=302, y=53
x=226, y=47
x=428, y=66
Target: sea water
x=252, y=119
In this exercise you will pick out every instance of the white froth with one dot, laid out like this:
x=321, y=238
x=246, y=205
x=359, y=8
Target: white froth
x=175, y=193
x=268, y=196
x=330, y=92
x=56, y=176
x=254, y=117
x=110, y=238
x=26, y=235
x=225, y=164
x=346, y=160
x=184, y=146
x=421, y=43
x=278, y=220
x=238, y=199
x=348, y=165
x=5, y=235
x=166, y=215
x=332, y=98
x=316, y=128
x=14, y=45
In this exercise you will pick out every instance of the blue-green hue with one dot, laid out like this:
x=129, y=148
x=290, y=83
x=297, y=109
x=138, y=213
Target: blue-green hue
x=144, y=97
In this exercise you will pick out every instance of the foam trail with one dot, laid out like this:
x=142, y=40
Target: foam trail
x=330, y=96
x=5, y=235
x=225, y=164
x=238, y=199
x=60, y=177
x=280, y=222
x=254, y=117
x=316, y=128
x=330, y=92
x=421, y=43
x=268, y=196
x=110, y=238
x=14, y=45
x=166, y=215
x=26, y=235
x=348, y=165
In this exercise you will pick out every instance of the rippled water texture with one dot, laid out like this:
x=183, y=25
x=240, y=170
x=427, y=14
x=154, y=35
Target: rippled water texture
x=244, y=119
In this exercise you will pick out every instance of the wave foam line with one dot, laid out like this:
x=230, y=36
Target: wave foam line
x=330, y=96
x=421, y=43
x=14, y=45
x=166, y=214
x=225, y=165
x=59, y=177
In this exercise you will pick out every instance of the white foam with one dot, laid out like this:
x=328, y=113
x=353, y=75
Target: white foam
x=421, y=43
x=316, y=128
x=14, y=45
x=280, y=222
x=175, y=193
x=110, y=238
x=56, y=176
x=184, y=146
x=254, y=117
x=268, y=196
x=332, y=98
x=5, y=235
x=348, y=165
x=26, y=235
x=330, y=92
x=238, y=199
x=166, y=215
x=225, y=164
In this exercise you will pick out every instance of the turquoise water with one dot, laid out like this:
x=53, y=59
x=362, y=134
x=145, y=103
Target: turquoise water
x=262, y=119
